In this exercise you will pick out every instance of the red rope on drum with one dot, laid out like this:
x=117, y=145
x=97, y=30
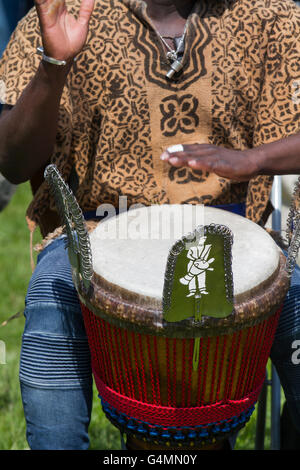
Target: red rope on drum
x=171, y=416
x=114, y=361
x=252, y=336
x=221, y=367
x=183, y=388
x=255, y=355
x=258, y=357
x=137, y=369
x=106, y=360
x=229, y=369
x=267, y=341
x=129, y=365
x=205, y=369
x=98, y=328
x=174, y=373
x=125, y=356
x=233, y=365
x=151, y=372
x=212, y=389
x=199, y=372
x=168, y=368
x=142, y=366
x=157, y=369
x=189, y=390
x=91, y=328
x=242, y=376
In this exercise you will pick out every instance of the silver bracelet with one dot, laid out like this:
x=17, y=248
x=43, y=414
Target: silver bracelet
x=50, y=59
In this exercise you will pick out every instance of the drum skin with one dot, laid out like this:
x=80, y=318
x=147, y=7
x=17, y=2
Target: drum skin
x=143, y=366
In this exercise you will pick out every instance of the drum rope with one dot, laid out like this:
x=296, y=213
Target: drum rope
x=137, y=366
x=183, y=342
x=142, y=366
x=245, y=354
x=129, y=368
x=205, y=368
x=154, y=396
x=221, y=367
x=157, y=367
x=189, y=391
x=174, y=372
x=126, y=355
x=260, y=339
x=168, y=368
x=229, y=369
x=250, y=355
x=200, y=372
x=216, y=357
x=104, y=349
x=234, y=364
x=134, y=415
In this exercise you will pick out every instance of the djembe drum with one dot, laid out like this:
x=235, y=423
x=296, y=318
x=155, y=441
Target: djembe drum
x=180, y=327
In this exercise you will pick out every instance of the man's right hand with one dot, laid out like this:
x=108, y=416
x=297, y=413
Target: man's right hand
x=63, y=35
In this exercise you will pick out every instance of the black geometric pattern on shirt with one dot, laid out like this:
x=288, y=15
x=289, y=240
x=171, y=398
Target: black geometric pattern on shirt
x=179, y=114
x=185, y=175
x=154, y=56
x=205, y=199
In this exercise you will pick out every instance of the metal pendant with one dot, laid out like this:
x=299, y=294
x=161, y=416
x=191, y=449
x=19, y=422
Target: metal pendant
x=176, y=67
x=172, y=55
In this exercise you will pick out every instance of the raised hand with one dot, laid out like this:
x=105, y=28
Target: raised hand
x=63, y=35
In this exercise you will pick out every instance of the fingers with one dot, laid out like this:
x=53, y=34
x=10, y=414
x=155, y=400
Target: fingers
x=41, y=6
x=40, y=3
x=194, y=155
x=48, y=11
x=86, y=10
x=55, y=6
x=49, y=6
x=180, y=151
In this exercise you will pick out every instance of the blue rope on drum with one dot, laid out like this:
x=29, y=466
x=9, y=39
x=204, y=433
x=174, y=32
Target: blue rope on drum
x=205, y=432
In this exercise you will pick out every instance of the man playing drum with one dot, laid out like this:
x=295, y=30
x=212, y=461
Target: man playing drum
x=117, y=84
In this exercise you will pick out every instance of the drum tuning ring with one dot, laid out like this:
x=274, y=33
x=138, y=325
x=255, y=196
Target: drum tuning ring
x=78, y=241
x=293, y=231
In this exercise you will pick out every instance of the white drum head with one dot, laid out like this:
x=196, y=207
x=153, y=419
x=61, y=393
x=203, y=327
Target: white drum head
x=131, y=250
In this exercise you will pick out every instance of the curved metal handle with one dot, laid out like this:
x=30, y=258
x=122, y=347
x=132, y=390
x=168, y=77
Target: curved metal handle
x=78, y=241
x=293, y=230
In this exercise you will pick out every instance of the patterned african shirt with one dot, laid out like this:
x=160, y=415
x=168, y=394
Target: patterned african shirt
x=119, y=112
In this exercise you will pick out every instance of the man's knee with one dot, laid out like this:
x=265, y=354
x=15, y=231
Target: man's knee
x=57, y=419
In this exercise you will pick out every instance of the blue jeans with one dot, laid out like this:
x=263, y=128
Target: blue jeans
x=55, y=372
x=284, y=349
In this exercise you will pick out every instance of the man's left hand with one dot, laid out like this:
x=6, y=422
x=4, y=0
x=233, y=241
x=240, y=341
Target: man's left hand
x=238, y=165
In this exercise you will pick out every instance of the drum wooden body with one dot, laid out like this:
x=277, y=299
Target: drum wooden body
x=142, y=365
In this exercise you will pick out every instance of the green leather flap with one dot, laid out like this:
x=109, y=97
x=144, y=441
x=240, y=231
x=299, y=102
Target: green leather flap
x=198, y=279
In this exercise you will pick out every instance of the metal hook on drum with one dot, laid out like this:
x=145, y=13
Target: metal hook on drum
x=293, y=230
x=78, y=241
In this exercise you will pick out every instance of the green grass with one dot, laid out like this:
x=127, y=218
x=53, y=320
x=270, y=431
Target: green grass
x=14, y=276
x=15, y=273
